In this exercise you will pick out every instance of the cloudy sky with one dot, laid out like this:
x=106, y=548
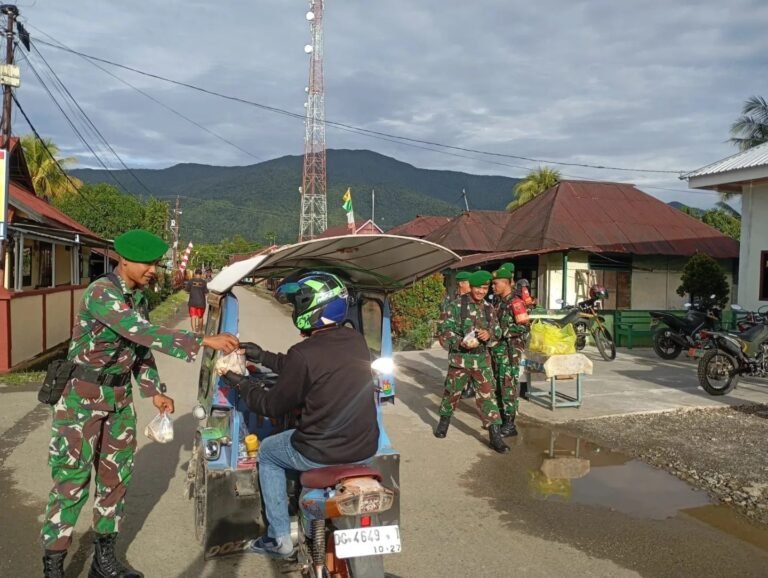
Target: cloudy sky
x=645, y=85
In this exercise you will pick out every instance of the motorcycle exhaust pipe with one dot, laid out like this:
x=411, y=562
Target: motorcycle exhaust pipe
x=677, y=339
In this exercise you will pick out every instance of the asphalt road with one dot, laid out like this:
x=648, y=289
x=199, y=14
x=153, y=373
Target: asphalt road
x=465, y=510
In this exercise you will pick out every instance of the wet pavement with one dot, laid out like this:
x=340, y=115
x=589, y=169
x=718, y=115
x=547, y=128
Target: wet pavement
x=611, y=506
x=556, y=505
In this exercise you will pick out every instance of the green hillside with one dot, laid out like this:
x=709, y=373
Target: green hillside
x=218, y=202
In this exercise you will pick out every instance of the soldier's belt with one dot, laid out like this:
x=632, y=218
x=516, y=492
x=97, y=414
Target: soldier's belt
x=101, y=378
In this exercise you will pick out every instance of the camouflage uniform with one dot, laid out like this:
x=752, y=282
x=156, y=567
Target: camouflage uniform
x=506, y=357
x=467, y=366
x=94, y=427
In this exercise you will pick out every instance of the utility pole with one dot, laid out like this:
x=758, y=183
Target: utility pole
x=464, y=195
x=175, y=232
x=11, y=12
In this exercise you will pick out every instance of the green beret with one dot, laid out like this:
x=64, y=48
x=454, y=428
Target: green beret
x=463, y=276
x=480, y=278
x=508, y=266
x=502, y=274
x=140, y=246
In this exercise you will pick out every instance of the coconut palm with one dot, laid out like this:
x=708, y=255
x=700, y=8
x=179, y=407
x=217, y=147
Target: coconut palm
x=751, y=128
x=48, y=179
x=535, y=183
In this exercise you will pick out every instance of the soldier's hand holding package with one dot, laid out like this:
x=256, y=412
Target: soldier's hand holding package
x=224, y=342
x=483, y=335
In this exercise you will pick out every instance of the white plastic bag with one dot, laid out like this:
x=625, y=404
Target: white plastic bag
x=234, y=362
x=160, y=429
x=470, y=340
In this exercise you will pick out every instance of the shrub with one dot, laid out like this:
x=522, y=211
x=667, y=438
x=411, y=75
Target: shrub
x=702, y=277
x=414, y=311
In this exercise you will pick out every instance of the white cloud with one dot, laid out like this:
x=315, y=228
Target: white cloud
x=652, y=84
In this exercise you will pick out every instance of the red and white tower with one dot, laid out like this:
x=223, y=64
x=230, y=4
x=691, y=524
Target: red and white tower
x=314, y=210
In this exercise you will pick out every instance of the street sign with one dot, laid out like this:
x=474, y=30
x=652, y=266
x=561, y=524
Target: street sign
x=9, y=75
x=3, y=194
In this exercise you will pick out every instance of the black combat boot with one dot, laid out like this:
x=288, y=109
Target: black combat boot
x=508, y=428
x=105, y=564
x=442, y=428
x=496, y=442
x=53, y=563
x=468, y=392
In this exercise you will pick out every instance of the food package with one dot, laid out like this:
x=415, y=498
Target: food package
x=470, y=340
x=234, y=362
x=551, y=339
x=160, y=429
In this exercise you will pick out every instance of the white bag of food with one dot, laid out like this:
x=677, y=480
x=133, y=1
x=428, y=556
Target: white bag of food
x=160, y=429
x=234, y=362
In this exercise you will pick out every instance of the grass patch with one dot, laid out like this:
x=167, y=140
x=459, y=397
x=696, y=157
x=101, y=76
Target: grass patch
x=164, y=312
x=22, y=377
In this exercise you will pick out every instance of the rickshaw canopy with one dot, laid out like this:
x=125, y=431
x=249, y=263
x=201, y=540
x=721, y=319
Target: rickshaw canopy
x=383, y=262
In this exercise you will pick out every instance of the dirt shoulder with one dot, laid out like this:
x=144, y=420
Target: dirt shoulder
x=723, y=451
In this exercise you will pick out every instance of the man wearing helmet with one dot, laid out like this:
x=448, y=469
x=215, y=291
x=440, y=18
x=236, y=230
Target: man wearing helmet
x=328, y=377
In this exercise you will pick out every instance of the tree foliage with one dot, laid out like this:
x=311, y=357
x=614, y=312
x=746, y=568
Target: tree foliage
x=724, y=222
x=702, y=277
x=535, y=183
x=109, y=212
x=751, y=128
x=216, y=255
x=415, y=310
x=47, y=178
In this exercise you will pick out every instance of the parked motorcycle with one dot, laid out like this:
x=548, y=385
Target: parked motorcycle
x=586, y=320
x=733, y=355
x=685, y=332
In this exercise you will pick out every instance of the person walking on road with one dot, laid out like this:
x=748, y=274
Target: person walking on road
x=468, y=328
x=94, y=422
x=198, y=290
x=506, y=353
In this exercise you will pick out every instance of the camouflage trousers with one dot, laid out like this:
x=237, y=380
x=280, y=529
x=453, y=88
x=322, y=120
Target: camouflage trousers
x=83, y=441
x=481, y=379
x=507, y=374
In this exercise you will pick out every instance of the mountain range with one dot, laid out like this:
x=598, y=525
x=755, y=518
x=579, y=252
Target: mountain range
x=257, y=200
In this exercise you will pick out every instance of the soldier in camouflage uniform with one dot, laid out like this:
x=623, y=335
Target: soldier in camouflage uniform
x=469, y=360
x=506, y=353
x=94, y=422
x=462, y=288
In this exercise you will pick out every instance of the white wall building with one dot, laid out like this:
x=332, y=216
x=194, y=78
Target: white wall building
x=746, y=174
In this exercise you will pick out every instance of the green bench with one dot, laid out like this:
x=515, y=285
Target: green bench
x=631, y=324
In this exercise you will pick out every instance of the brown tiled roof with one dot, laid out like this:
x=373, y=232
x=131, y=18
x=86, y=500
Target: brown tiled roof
x=610, y=218
x=419, y=227
x=472, y=232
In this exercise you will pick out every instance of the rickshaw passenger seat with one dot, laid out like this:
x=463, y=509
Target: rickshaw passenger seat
x=327, y=477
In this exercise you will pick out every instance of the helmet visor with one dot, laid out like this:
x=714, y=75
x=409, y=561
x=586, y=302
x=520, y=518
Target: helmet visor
x=287, y=292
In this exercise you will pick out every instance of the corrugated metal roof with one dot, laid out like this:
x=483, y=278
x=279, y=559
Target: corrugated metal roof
x=419, y=227
x=748, y=159
x=610, y=218
x=472, y=232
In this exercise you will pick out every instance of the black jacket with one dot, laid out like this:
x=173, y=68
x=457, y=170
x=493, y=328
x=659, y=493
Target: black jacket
x=328, y=376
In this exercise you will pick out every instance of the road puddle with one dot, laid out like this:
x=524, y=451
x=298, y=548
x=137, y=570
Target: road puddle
x=606, y=503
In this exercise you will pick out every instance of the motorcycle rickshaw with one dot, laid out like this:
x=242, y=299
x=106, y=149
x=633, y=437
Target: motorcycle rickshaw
x=222, y=477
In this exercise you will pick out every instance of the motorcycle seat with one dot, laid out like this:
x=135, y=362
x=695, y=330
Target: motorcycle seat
x=332, y=475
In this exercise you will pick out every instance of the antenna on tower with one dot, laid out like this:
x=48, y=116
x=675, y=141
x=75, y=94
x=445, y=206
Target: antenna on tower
x=314, y=211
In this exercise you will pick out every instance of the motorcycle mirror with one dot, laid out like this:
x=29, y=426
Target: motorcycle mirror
x=736, y=307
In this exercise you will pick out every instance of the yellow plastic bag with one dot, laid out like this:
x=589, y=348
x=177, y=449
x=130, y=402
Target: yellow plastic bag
x=552, y=340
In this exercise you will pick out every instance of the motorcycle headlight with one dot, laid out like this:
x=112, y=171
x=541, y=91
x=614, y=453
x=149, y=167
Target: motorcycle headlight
x=384, y=365
x=212, y=449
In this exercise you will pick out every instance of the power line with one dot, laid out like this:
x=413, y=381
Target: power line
x=72, y=125
x=53, y=157
x=352, y=127
x=90, y=123
x=155, y=100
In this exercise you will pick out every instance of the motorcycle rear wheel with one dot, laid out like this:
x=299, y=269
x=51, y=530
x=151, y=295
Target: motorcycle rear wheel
x=664, y=346
x=605, y=344
x=717, y=372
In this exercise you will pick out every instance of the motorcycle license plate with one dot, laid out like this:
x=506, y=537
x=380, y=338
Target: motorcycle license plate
x=373, y=541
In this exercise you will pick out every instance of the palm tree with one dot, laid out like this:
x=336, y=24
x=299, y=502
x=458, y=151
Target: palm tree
x=535, y=183
x=48, y=179
x=751, y=128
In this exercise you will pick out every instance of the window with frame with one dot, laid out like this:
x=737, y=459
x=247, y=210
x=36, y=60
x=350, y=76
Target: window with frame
x=764, y=276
